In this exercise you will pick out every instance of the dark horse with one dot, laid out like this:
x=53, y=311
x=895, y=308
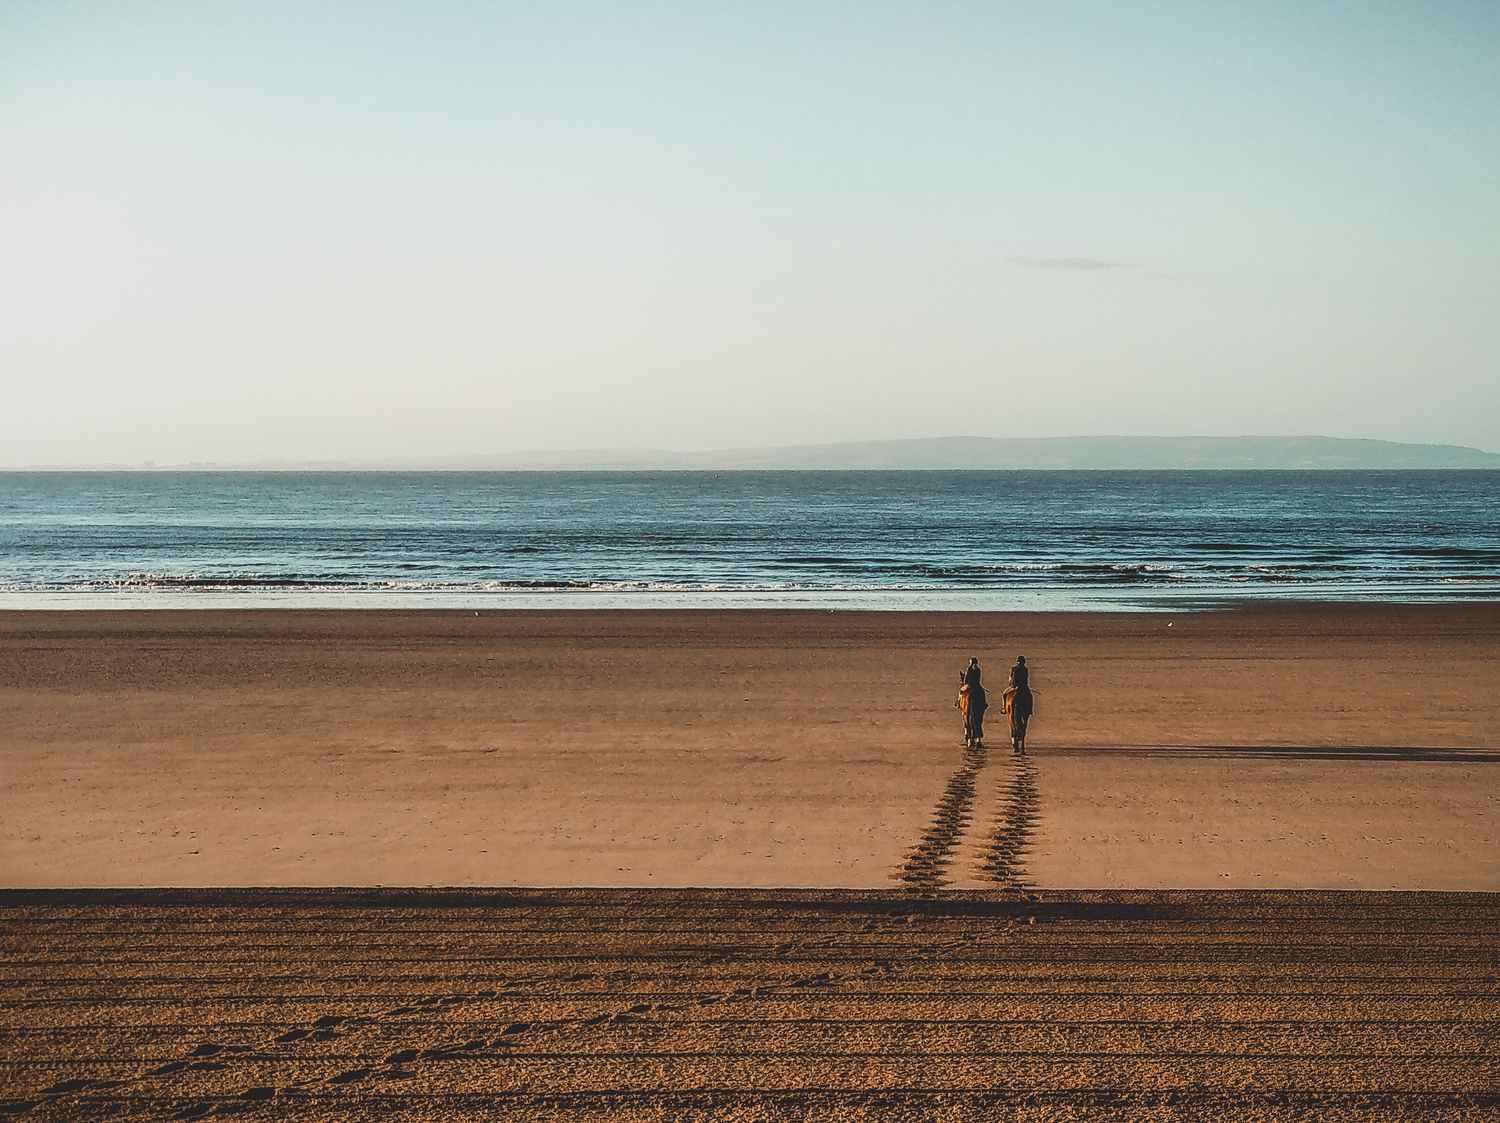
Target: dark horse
x=972, y=704
x=1017, y=705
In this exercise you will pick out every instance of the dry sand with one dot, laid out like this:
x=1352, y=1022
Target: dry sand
x=632, y=1005
x=1307, y=747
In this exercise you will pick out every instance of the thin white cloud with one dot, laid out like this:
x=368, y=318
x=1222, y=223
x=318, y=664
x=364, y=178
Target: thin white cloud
x=1083, y=263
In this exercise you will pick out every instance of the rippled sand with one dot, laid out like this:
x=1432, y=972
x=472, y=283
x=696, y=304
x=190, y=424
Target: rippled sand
x=735, y=1004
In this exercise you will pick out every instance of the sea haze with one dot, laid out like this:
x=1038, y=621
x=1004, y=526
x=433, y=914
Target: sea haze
x=1159, y=454
x=1025, y=539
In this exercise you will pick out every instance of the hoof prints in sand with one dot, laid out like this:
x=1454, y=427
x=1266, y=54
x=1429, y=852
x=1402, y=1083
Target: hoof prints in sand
x=927, y=865
x=777, y=1005
x=1003, y=863
x=929, y=859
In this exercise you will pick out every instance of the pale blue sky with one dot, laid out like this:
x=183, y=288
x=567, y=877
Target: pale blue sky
x=249, y=230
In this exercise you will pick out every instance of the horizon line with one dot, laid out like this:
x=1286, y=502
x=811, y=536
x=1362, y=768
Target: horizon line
x=639, y=458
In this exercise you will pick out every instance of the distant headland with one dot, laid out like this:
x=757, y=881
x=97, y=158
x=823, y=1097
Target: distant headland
x=931, y=454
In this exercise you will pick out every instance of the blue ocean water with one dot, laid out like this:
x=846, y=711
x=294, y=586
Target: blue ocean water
x=830, y=539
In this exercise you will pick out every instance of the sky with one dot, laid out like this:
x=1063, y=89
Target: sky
x=252, y=230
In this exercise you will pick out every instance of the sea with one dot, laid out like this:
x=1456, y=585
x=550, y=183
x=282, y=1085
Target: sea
x=961, y=540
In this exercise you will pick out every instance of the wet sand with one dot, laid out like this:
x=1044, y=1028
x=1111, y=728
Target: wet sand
x=1310, y=747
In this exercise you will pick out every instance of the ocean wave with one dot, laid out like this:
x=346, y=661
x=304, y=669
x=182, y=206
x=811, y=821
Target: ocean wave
x=1014, y=579
x=1099, y=536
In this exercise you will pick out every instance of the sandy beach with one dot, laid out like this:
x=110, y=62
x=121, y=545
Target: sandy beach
x=975, y=935
x=1293, y=747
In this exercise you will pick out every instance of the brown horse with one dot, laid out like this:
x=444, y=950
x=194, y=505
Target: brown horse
x=1017, y=705
x=972, y=704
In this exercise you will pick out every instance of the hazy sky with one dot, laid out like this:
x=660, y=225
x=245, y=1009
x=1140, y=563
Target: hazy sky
x=247, y=230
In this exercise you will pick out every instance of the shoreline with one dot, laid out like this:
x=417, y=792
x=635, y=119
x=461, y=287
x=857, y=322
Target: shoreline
x=1229, y=607
x=712, y=600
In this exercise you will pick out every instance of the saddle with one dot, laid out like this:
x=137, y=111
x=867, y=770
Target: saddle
x=1017, y=700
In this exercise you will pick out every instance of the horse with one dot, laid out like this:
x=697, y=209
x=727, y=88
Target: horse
x=1017, y=705
x=972, y=704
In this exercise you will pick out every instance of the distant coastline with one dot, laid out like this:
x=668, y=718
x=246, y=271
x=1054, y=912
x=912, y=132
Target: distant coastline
x=921, y=454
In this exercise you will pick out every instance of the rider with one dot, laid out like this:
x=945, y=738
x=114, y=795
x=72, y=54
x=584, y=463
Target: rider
x=1019, y=703
x=974, y=715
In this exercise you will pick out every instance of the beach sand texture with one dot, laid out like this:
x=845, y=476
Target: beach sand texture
x=1315, y=747
x=737, y=1004
x=1320, y=748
